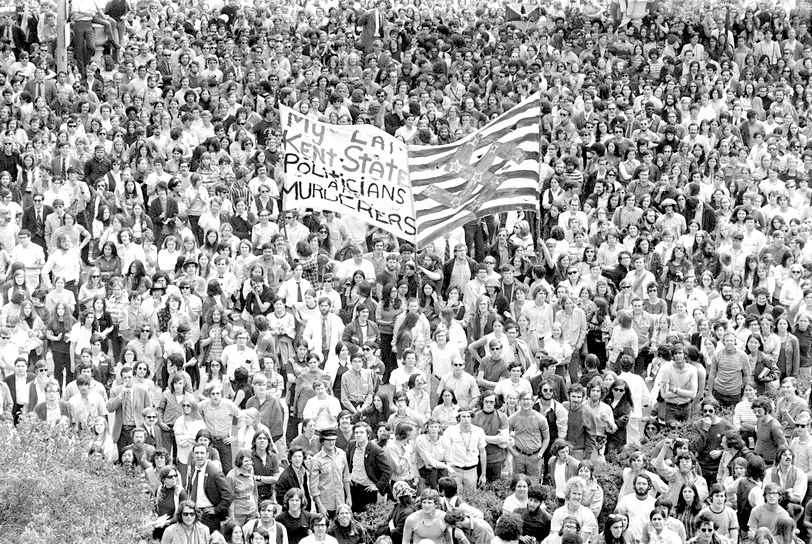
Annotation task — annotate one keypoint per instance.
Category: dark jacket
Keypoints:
(352, 334)
(155, 211)
(448, 267)
(216, 487)
(11, 382)
(41, 410)
(288, 480)
(376, 465)
(29, 222)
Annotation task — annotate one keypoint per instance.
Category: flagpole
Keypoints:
(538, 200)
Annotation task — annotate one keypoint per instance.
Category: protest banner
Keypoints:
(355, 170)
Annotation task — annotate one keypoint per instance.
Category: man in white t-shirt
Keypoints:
(638, 505)
(31, 255)
(240, 355)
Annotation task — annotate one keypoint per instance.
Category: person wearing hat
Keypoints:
(191, 268)
(329, 475)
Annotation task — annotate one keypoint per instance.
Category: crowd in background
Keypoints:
(270, 373)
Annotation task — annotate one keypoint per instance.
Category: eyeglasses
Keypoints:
(572, 272)
(618, 389)
(96, 276)
(496, 348)
(546, 390)
(801, 425)
(145, 330)
(185, 514)
(709, 411)
(320, 524)
(42, 370)
(150, 417)
(458, 365)
(171, 475)
(367, 348)
(186, 405)
(706, 530)
(186, 287)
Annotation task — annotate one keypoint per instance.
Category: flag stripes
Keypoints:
(491, 171)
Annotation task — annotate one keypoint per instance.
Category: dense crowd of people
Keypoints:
(270, 373)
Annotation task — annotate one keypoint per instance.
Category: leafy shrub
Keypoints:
(52, 493)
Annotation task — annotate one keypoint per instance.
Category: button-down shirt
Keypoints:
(359, 471)
(328, 474)
(201, 500)
(87, 409)
(573, 327)
(218, 417)
(355, 386)
(465, 446)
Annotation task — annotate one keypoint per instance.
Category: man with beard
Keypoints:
(536, 519)
(547, 373)
(580, 423)
(554, 412)
(718, 307)
(638, 505)
(495, 425)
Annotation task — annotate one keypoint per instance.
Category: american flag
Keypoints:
(493, 170)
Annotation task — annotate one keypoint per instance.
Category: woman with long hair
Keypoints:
(619, 399)
(266, 464)
(58, 334)
(215, 334)
(377, 412)
(17, 283)
(598, 329)
(688, 507)
(676, 269)
(186, 429)
(136, 278)
(108, 262)
(283, 328)
(103, 438)
(168, 499)
(614, 530)
(32, 325)
(94, 287)
(346, 529)
(170, 410)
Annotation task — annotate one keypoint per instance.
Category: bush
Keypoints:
(52, 493)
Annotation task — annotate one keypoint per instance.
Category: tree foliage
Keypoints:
(51, 492)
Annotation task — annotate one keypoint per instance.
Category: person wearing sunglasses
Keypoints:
(710, 428)
(187, 526)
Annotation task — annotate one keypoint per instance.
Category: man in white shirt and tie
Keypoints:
(209, 488)
(293, 290)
